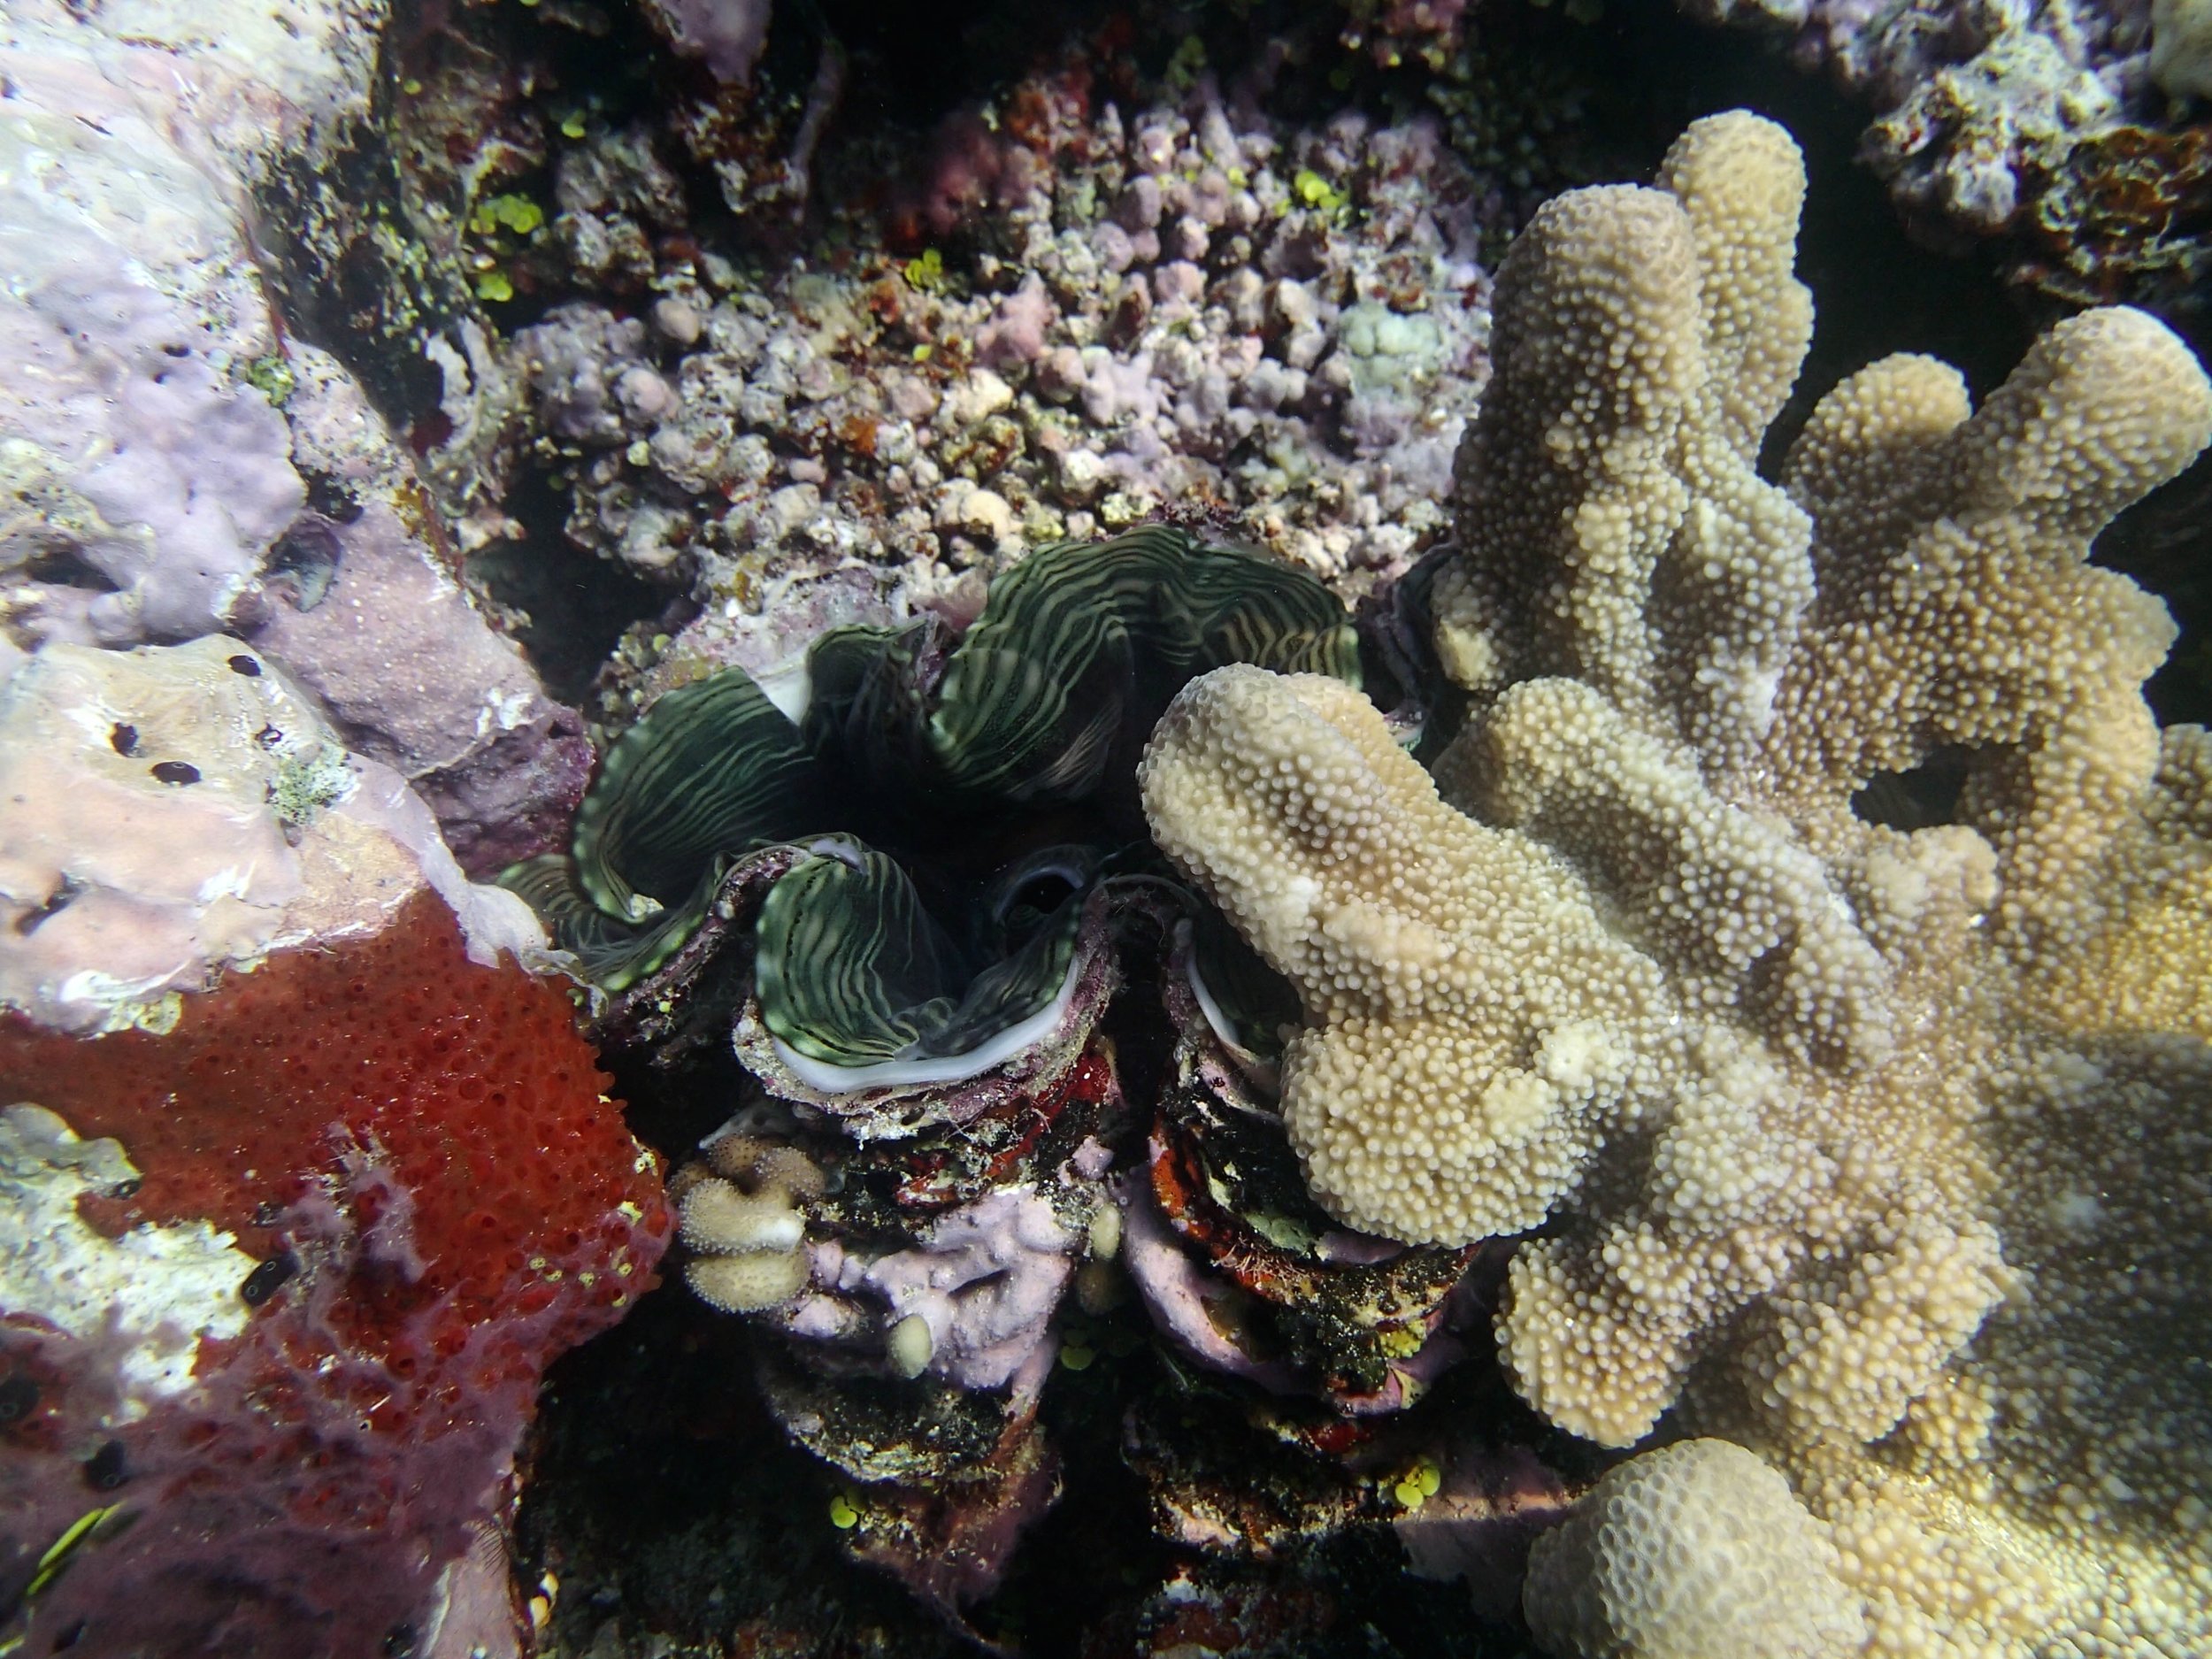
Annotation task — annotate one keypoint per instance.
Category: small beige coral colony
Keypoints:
(1881, 1154)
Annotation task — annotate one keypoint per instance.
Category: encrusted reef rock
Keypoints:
(172, 811)
(2063, 128)
(370, 617)
(1806, 922)
(283, 1320)
(143, 473)
(162, 430)
(306, 1178)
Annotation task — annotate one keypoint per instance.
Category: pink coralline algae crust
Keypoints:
(986, 1279)
(727, 36)
(416, 679)
(422, 1147)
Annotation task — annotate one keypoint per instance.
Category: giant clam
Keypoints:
(906, 887)
(917, 740)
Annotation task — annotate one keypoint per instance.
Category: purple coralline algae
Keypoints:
(146, 475)
(727, 36)
(981, 1283)
(375, 623)
(162, 431)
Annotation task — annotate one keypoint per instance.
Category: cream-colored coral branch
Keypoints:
(1808, 927)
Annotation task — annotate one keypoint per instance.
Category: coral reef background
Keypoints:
(399, 401)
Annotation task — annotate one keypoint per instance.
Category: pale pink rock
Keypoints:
(1015, 332)
(417, 679)
(727, 36)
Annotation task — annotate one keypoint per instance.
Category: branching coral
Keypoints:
(1426, 1109)
(1806, 1083)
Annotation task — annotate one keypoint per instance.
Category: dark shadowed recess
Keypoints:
(914, 63)
(2165, 542)
(665, 1499)
(669, 1504)
(577, 603)
(1875, 291)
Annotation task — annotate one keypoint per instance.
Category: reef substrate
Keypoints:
(1593, 1086)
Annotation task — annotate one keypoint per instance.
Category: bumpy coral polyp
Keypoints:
(426, 1140)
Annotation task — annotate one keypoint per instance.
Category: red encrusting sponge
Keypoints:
(418, 1151)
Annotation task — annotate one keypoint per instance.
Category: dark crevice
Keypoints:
(67, 567)
(2164, 541)
(1926, 796)
(577, 603)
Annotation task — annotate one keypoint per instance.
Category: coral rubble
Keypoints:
(1808, 906)
(1089, 313)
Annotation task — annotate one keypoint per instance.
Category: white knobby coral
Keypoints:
(1697, 1550)
(742, 1215)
